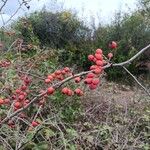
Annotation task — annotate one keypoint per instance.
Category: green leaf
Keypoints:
(72, 132)
(30, 135)
(48, 133)
(41, 146)
(72, 147)
(1, 148)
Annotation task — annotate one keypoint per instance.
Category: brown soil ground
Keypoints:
(96, 103)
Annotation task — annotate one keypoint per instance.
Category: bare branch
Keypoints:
(4, 3)
(2, 19)
(20, 7)
(132, 58)
(136, 80)
(4, 141)
(31, 74)
(14, 14)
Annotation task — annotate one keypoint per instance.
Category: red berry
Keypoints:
(12, 126)
(90, 75)
(47, 81)
(99, 63)
(10, 123)
(21, 97)
(63, 72)
(50, 77)
(27, 101)
(92, 86)
(98, 71)
(64, 90)
(17, 105)
(7, 101)
(88, 81)
(24, 93)
(13, 97)
(70, 92)
(99, 51)
(60, 77)
(95, 81)
(27, 80)
(23, 87)
(1, 101)
(94, 60)
(18, 91)
(98, 56)
(77, 79)
(90, 57)
(79, 92)
(50, 90)
(67, 69)
(110, 55)
(58, 72)
(113, 45)
(93, 67)
(34, 123)
(53, 75)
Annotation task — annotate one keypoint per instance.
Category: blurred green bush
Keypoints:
(74, 40)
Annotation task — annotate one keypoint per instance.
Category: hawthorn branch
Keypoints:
(31, 74)
(12, 16)
(132, 58)
(59, 84)
(56, 86)
(4, 3)
(22, 109)
(2, 19)
(12, 44)
(136, 80)
(5, 142)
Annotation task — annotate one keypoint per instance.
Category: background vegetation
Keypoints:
(113, 117)
(74, 39)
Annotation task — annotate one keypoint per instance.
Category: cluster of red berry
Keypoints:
(58, 75)
(69, 92)
(19, 96)
(92, 79)
(61, 75)
(5, 63)
(5, 101)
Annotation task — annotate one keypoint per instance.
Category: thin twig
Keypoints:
(4, 141)
(132, 58)
(3, 5)
(13, 14)
(36, 115)
(2, 19)
(31, 74)
(136, 80)
(13, 44)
